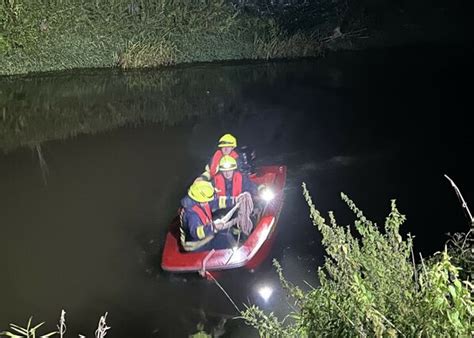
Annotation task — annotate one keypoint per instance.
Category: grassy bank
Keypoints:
(50, 35)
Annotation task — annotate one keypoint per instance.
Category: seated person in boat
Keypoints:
(226, 147)
(198, 231)
(230, 183)
(234, 188)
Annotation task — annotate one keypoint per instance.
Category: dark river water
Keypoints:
(93, 164)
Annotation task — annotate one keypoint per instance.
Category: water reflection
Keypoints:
(47, 107)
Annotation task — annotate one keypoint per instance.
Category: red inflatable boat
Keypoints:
(248, 253)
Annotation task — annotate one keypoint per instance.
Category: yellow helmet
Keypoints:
(201, 191)
(227, 163)
(227, 140)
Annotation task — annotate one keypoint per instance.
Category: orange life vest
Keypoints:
(219, 183)
(216, 158)
(204, 215)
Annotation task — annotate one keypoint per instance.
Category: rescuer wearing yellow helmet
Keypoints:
(226, 146)
(198, 231)
(230, 183)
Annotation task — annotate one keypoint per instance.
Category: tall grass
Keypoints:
(49, 35)
(17, 331)
(461, 244)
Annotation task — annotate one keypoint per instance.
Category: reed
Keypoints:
(30, 331)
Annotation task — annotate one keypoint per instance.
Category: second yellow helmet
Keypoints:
(228, 140)
(227, 163)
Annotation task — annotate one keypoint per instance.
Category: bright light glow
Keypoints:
(238, 255)
(265, 292)
(267, 194)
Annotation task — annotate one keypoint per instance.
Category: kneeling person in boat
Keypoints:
(198, 231)
(234, 188)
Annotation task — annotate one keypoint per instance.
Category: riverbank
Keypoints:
(61, 35)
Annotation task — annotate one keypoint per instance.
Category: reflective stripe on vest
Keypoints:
(216, 158)
(219, 183)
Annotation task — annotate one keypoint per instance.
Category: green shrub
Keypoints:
(369, 286)
(461, 248)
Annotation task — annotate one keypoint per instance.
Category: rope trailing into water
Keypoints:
(209, 275)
